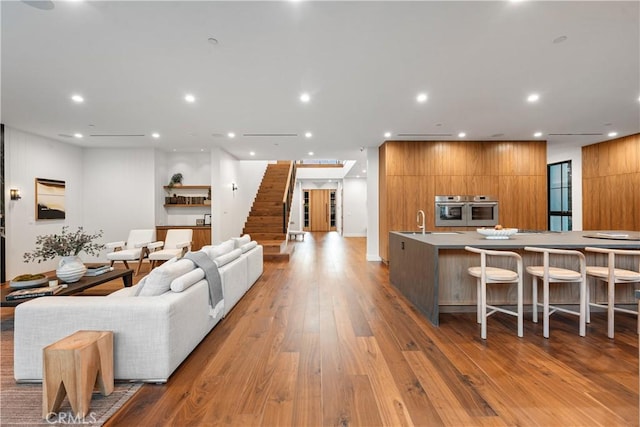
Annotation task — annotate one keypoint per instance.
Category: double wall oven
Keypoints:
(466, 211)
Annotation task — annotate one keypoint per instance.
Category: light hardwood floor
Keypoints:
(326, 340)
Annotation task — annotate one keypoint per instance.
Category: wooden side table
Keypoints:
(74, 366)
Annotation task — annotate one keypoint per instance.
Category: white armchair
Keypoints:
(176, 244)
(136, 248)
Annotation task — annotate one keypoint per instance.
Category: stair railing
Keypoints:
(288, 196)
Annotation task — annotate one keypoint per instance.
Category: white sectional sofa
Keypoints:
(156, 323)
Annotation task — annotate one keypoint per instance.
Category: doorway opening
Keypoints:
(319, 210)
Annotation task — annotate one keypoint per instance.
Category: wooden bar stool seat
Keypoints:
(487, 275)
(74, 366)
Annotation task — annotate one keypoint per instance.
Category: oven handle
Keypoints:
(452, 205)
(484, 204)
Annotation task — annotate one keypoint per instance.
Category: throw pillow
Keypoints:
(227, 258)
(215, 251)
(239, 241)
(159, 280)
(187, 280)
(248, 246)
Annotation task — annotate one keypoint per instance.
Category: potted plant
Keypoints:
(176, 180)
(66, 245)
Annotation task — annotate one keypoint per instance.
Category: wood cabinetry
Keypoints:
(188, 196)
(201, 235)
(412, 173)
(611, 185)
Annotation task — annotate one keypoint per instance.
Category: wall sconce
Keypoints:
(234, 187)
(14, 193)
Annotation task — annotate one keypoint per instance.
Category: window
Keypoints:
(559, 192)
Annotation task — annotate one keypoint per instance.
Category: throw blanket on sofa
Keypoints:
(212, 275)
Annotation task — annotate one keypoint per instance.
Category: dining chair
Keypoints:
(612, 276)
(489, 275)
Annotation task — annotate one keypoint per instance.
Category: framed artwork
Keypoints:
(49, 199)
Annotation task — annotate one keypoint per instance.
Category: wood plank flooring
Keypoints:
(326, 340)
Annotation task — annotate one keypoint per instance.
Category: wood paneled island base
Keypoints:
(431, 269)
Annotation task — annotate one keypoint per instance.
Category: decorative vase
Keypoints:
(70, 269)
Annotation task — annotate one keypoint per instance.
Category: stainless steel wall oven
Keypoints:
(466, 211)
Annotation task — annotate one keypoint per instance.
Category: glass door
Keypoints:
(559, 195)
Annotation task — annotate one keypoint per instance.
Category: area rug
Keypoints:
(21, 404)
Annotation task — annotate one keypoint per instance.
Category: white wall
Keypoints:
(373, 249)
(249, 178)
(119, 192)
(28, 157)
(231, 208)
(354, 207)
(561, 153)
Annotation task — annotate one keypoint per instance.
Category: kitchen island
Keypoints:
(430, 269)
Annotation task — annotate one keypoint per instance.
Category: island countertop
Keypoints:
(564, 239)
(430, 269)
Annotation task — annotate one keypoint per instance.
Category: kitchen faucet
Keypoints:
(420, 214)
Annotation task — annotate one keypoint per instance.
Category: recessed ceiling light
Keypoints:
(387, 134)
(308, 134)
(231, 135)
(364, 171)
(202, 149)
(422, 97)
(77, 99)
(357, 176)
(155, 135)
(77, 135)
(533, 97)
(305, 97)
(311, 153)
(252, 153)
(537, 134)
(174, 150)
(612, 134)
(462, 135)
(189, 98)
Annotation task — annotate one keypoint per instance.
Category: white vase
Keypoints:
(70, 269)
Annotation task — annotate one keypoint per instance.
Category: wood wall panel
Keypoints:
(412, 173)
(590, 161)
(611, 185)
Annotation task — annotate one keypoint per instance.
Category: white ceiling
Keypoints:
(362, 62)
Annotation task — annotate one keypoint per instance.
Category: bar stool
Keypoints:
(550, 274)
(486, 275)
(612, 276)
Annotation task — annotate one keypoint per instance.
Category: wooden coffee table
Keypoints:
(85, 282)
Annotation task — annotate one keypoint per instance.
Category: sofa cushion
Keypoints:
(227, 258)
(215, 251)
(248, 246)
(159, 280)
(181, 283)
(239, 241)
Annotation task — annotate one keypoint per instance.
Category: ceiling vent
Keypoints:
(425, 134)
(115, 135)
(270, 134)
(576, 134)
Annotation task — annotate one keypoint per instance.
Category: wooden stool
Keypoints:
(73, 366)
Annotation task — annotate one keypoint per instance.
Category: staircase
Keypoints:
(269, 216)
